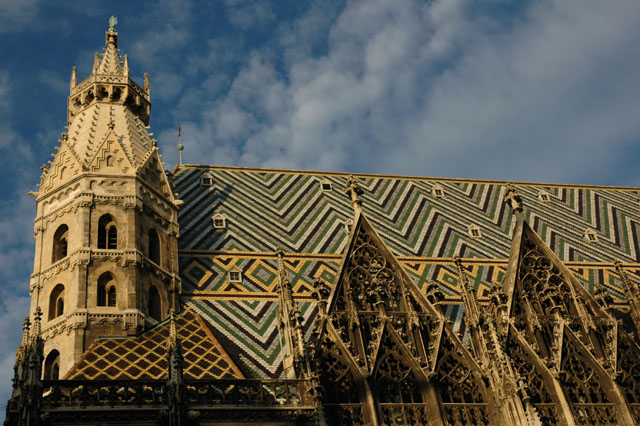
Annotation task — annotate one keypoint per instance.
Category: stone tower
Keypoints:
(106, 223)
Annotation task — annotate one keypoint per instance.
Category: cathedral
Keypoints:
(213, 295)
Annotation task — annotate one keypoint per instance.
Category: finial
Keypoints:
(96, 63)
(180, 146)
(354, 190)
(73, 77)
(113, 21)
(126, 66)
(25, 330)
(146, 83)
(36, 323)
(512, 197)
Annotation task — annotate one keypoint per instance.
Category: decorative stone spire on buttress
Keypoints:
(354, 191)
(633, 295)
(290, 322)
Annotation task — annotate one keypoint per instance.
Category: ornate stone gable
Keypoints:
(405, 359)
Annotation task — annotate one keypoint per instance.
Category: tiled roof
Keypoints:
(266, 208)
(145, 356)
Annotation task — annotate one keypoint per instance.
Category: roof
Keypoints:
(267, 208)
(145, 357)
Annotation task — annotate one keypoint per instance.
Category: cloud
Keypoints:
(438, 89)
(17, 15)
(249, 14)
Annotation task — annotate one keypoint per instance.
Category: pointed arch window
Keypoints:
(52, 366)
(111, 296)
(154, 246)
(107, 233)
(56, 302)
(155, 307)
(106, 290)
(60, 243)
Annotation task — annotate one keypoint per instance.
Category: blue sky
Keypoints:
(516, 90)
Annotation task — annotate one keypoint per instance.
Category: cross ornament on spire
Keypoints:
(113, 21)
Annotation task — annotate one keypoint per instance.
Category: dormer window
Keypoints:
(219, 221)
(437, 191)
(326, 185)
(474, 232)
(235, 275)
(544, 196)
(591, 236)
(206, 180)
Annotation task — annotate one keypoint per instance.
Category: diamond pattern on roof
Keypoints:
(145, 357)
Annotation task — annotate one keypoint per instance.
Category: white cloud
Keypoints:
(249, 14)
(429, 88)
(17, 15)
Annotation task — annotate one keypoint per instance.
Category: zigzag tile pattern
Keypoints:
(266, 209)
(248, 330)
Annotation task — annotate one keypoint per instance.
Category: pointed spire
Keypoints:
(126, 66)
(96, 63)
(74, 78)
(472, 312)
(22, 349)
(173, 334)
(111, 59)
(180, 146)
(36, 324)
(25, 331)
(290, 321)
(632, 293)
(354, 191)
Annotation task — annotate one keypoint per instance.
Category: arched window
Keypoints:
(154, 246)
(60, 239)
(107, 233)
(109, 161)
(155, 310)
(52, 366)
(106, 290)
(56, 302)
(111, 296)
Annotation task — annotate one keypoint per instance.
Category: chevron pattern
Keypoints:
(248, 331)
(269, 208)
(265, 209)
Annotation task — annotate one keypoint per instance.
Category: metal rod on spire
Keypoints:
(180, 146)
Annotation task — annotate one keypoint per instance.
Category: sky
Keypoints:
(545, 91)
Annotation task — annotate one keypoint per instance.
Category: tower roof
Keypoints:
(109, 82)
(109, 108)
